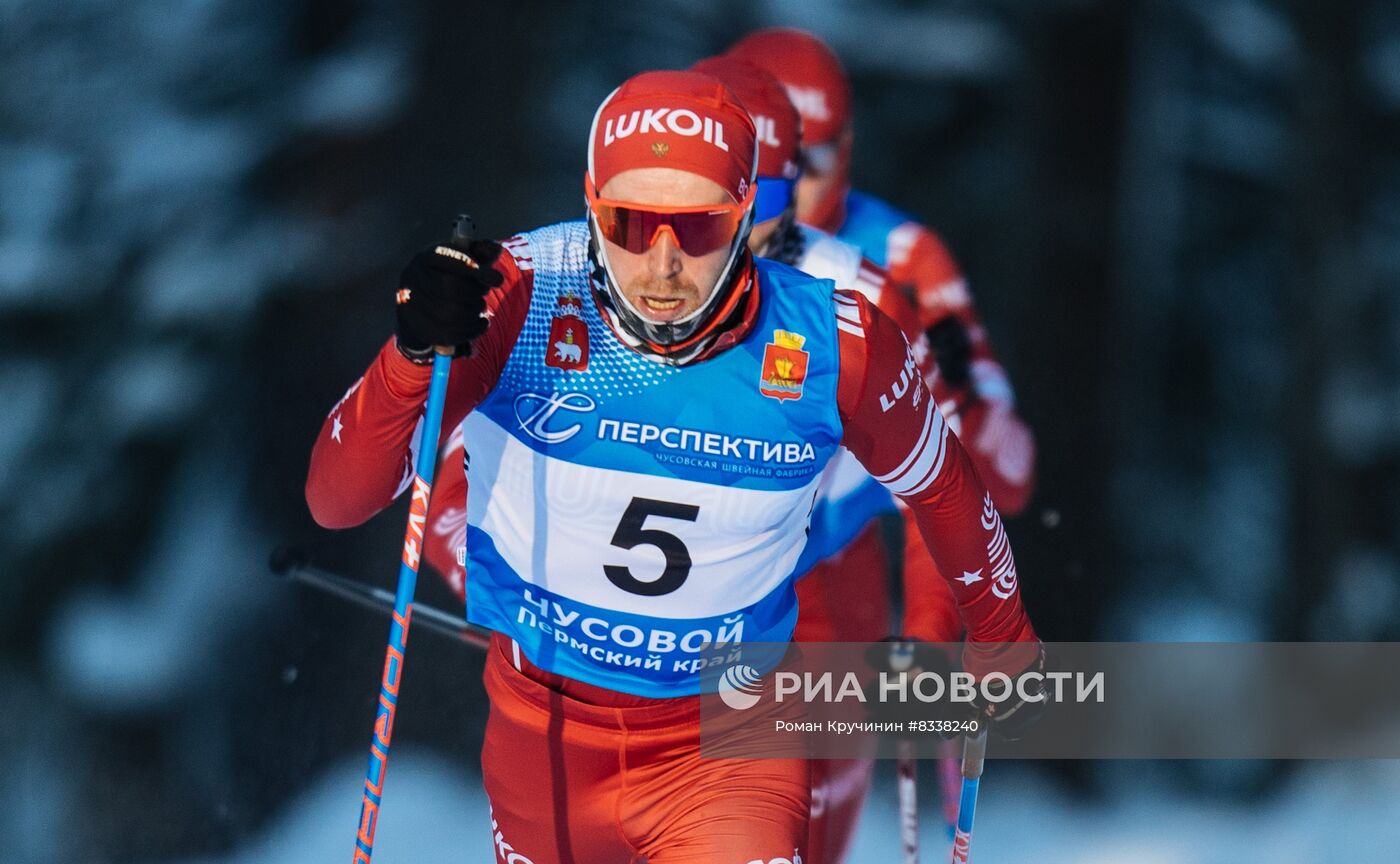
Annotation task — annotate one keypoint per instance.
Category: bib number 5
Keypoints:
(630, 534)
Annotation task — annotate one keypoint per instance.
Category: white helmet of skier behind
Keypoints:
(670, 192)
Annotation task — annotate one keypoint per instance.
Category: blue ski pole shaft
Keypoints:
(413, 540)
(974, 753)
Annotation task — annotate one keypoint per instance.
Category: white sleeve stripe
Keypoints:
(932, 473)
(850, 328)
(519, 249)
(848, 315)
(843, 300)
(930, 461)
(454, 441)
(904, 466)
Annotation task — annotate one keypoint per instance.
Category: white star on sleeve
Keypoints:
(968, 578)
(336, 426)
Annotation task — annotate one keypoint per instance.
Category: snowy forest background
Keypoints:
(1181, 221)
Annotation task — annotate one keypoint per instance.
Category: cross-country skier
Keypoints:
(843, 596)
(845, 535)
(650, 410)
(969, 382)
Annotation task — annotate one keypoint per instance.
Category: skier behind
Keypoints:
(843, 596)
(650, 411)
(969, 383)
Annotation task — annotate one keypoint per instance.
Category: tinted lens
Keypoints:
(628, 228)
(702, 233)
(773, 197)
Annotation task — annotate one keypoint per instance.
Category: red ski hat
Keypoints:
(778, 124)
(678, 120)
(812, 73)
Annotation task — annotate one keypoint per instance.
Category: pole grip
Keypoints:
(463, 232)
(974, 753)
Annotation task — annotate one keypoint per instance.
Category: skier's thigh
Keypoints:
(553, 783)
(756, 813)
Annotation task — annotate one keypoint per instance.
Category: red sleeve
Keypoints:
(920, 263)
(999, 442)
(894, 428)
(363, 457)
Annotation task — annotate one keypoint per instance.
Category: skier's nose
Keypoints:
(664, 257)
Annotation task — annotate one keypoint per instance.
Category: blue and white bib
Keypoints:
(624, 514)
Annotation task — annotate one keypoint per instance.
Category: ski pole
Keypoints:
(949, 784)
(421, 491)
(292, 564)
(974, 753)
(901, 658)
(907, 773)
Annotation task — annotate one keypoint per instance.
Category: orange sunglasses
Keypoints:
(697, 230)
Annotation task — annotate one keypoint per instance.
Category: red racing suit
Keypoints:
(363, 458)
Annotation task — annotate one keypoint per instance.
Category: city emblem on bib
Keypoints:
(568, 336)
(784, 366)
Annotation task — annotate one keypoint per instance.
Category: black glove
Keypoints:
(896, 654)
(442, 293)
(952, 349)
(1009, 720)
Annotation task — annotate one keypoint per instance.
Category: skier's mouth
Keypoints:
(664, 308)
